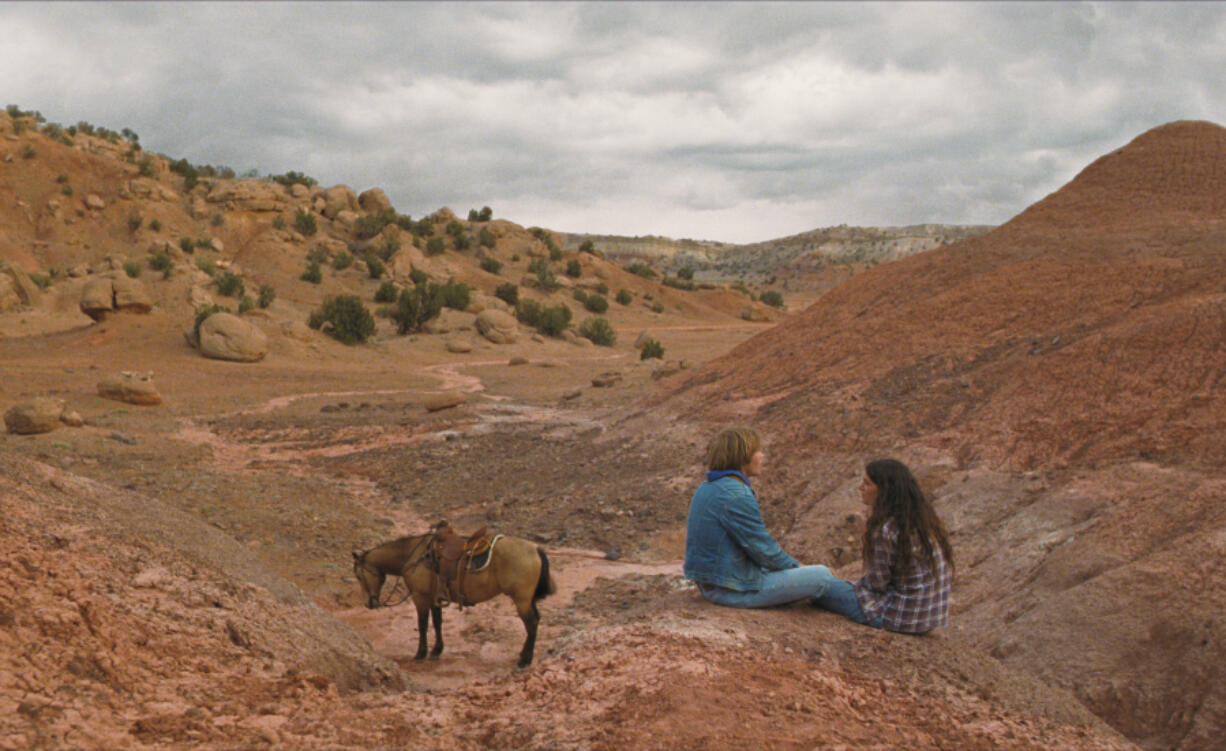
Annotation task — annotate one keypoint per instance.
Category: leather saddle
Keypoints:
(451, 557)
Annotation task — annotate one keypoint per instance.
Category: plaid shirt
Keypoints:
(913, 604)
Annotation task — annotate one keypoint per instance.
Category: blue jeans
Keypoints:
(778, 587)
(839, 596)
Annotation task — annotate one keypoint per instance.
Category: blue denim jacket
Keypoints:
(726, 542)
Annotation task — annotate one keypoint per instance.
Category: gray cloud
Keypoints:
(727, 121)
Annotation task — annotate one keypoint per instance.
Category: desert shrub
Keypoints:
(145, 166)
(514, 258)
(486, 238)
(66, 189)
(596, 303)
(61, 178)
(418, 277)
(641, 269)
(772, 298)
(405, 222)
(492, 265)
(245, 304)
(416, 306)
(685, 272)
(528, 312)
(553, 320)
(207, 266)
(573, 269)
(598, 330)
(369, 226)
(456, 295)
(657, 307)
(463, 242)
(435, 246)
(203, 312)
(304, 222)
(351, 321)
(579, 295)
(318, 254)
(291, 178)
(387, 292)
(676, 283)
(132, 269)
(652, 348)
(342, 261)
(389, 248)
(472, 215)
(134, 222)
(278, 222)
(28, 152)
(43, 282)
(161, 261)
(230, 284)
(454, 228)
(508, 292)
(313, 273)
(555, 253)
(155, 225)
(602, 288)
(423, 227)
(217, 219)
(266, 296)
(190, 174)
(544, 274)
(375, 266)
(587, 246)
(486, 214)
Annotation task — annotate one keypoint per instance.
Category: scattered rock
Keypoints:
(605, 380)
(94, 202)
(517, 360)
(72, 419)
(459, 344)
(132, 388)
(444, 400)
(572, 394)
(38, 415)
(225, 336)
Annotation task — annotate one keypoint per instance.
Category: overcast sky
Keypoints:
(719, 121)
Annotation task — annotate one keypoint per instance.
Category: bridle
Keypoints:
(385, 599)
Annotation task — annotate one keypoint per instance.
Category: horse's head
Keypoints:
(369, 577)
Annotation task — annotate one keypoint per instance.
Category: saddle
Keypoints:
(451, 556)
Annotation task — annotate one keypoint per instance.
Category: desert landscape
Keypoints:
(193, 452)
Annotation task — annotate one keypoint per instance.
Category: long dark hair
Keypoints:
(899, 498)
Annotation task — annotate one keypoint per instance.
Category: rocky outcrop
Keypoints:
(339, 198)
(97, 298)
(497, 326)
(37, 415)
(131, 388)
(374, 202)
(131, 295)
(17, 289)
(225, 336)
(249, 195)
(105, 295)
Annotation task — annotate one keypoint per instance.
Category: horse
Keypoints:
(517, 568)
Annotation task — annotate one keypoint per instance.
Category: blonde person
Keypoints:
(908, 564)
(728, 551)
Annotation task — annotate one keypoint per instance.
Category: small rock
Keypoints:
(613, 554)
(122, 438)
(444, 400)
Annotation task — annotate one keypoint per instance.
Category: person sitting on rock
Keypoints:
(728, 551)
(907, 559)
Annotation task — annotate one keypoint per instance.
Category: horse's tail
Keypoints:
(544, 585)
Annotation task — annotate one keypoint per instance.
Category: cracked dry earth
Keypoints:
(189, 586)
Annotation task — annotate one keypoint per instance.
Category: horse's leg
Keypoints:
(436, 612)
(423, 613)
(531, 617)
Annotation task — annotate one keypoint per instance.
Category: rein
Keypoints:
(387, 602)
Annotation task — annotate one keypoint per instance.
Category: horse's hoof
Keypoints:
(419, 658)
(433, 656)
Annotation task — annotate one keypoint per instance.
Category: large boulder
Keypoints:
(225, 336)
(374, 202)
(444, 400)
(38, 415)
(450, 320)
(132, 388)
(131, 295)
(97, 298)
(339, 198)
(497, 326)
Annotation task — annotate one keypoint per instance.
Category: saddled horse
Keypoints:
(517, 568)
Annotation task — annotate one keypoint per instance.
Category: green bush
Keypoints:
(418, 277)
(463, 242)
(486, 238)
(416, 306)
(657, 307)
(472, 215)
(66, 189)
(624, 297)
(652, 348)
(155, 225)
(217, 219)
(641, 269)
(374, 266)
(187, 245)
(602, 288)
(423, 227)
(573, 269)
(43, 282)
(587, 246)
(553, 321)
(390, 247)
(405, 222)
(579, 295)
(685, 273)
(278, 222)
(435, 246)
(387, 292)
(132, 269)
(313, 274)
(596, 303)
(486, 214)
(369, 226)
(161, 261)
(455, 294)
(492, 265)
(230, 284)
(675, 283)
(245, 304)
(544, 274)
(207, 266)
(508, 292)
(134, 222)
(342, 261)
(528, 312)
(145, 166)
(289, 179)
(351, 321)
(304, 222)
(267, 295)
(772, 298)
(454, 228)
(599, 331)
(318, 254)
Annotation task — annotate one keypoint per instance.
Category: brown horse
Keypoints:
(517, 568)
